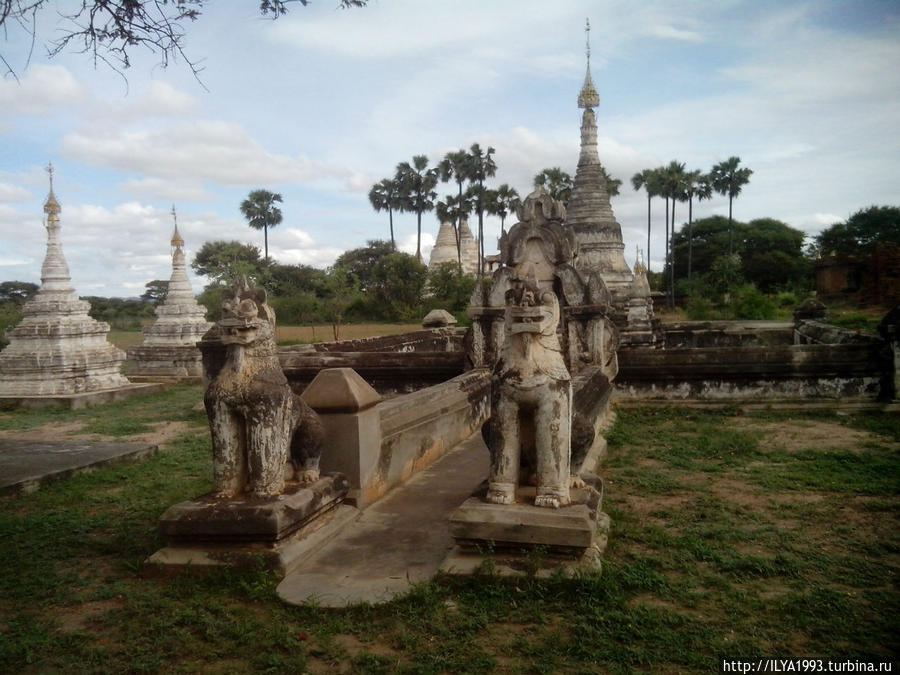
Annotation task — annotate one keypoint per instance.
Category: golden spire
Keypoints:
(51, 206)
(588, 98)
(177, 241)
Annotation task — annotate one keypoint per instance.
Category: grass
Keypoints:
(724, 543)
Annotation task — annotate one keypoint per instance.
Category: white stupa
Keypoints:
(57, 349)
(170, 343)
(445, 248)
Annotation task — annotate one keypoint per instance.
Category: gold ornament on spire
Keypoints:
(177, 241)
(588, 98)
(51, 206)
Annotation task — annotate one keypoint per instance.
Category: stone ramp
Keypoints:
(25, 465)
(397, 542)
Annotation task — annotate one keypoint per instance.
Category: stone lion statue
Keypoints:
(261, 430)
(531, 400)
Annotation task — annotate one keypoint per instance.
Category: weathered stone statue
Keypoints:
(531, 400)
(257, 423)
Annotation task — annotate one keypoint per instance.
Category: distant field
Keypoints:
(125, 338)
(310, 334)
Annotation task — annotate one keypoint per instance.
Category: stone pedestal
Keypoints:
(519, 536)
(346, 406)
(279, 530)
(58, 349)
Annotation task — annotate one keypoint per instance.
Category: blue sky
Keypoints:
(322, 103)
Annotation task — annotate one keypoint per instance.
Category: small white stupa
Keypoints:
(445, 248)
(170, 344)
(57, 349)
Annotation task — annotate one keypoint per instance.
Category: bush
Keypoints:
(749, 303)
(699, 308)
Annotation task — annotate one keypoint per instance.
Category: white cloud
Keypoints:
(43, 89)
(408, 244)
(668, 32)
(13, 193)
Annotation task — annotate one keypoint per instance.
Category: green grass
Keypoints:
(721, 545)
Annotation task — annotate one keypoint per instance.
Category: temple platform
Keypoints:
(85, 399)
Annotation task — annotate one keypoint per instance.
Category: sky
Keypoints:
(323, 103)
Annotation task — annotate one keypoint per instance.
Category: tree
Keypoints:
(108, 29)
(156, 291)
(727, 179)
(697, 185)
(506, 200)
(416, 183)
(17, 291)
(612, 184)
(225, 261)
(860, 232)
(647, 179)
(385, 196)
(454, 209)
(361, 262)
(449, 288)
(672, 187)
(261, 213)
(555, 181)
(481, 167)
(455, 166)
(341, 291)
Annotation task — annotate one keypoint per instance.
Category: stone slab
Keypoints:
(85, 400)
(26, 465)
(252, 519)
(477, 523)
(281, 557)
(397, 542)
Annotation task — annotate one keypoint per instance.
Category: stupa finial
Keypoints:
(177, 241)
(588, 98)
(51, 206)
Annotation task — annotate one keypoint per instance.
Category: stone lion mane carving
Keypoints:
(258, 424)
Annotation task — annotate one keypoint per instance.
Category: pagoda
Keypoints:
(445, 248)
(170, 343)
(58, 349)
(590, 217)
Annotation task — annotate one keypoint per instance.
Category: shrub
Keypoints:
(700, 309)
(749, 303)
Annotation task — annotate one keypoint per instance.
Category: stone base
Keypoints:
(280, 531)
(164, 360)
(522, 530)
(83, 400)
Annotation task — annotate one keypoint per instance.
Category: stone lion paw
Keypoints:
(547, 501)
(499, 497)
(308, 476)
(576, 481)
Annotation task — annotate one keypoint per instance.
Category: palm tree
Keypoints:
(555, 181)
(385, 196)
(673, 187)
(728, 179)
(416, 184)
(697, 184)
(507, 199)
(261, 213)
(647, 179)
(481, 167)
(612, 184)
(455, 165)
(454, 208)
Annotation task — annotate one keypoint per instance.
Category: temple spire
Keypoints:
(177, 241)
(588, 98)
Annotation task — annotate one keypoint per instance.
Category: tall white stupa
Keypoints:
(58, 349)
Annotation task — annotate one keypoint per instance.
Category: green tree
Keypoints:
(454, 209)
(727, 178)
(362, 262)
(612, 184)
(341, 291)
(156, 291)
(455, 166)
(697, 185)
(858, 235)
(399, 286)
(285, 280)
(225, 261)
(481, 167)
(450, 289)
(506, 200)
(17, 291)
(385, 196)
(416, 183)
(648, 179)
(261, 213)
(555, 181)
(672, 184)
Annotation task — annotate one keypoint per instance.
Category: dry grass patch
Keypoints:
(357, 331)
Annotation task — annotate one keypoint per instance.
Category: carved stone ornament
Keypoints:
(259, 426)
